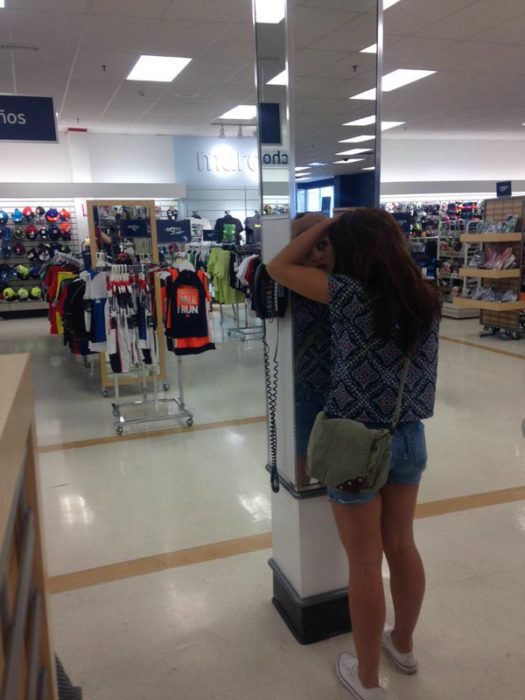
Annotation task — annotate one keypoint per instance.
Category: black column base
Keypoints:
(311, 619)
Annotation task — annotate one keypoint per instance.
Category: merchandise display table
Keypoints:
(27, 666)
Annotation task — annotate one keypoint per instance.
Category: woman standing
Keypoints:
(381, 311)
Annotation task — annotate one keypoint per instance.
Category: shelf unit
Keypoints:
(9, 205)
(498, 316)
(452, 280)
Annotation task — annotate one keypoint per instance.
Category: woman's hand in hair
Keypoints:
(288, 268)
(305, 222)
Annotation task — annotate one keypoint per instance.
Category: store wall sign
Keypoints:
(25, 118)
(504, 189)
(169, 231)
(134, 228)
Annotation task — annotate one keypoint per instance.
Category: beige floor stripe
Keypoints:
(111, 439)
(478, 346)
(252, 543)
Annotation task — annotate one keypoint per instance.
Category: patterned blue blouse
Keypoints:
(312, 353)
(366, 369)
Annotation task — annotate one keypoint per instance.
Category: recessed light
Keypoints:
(385, 126)
(279, 79)
(269, 11)
(158, 69)
(358, 139)
(370, 49)
(240, 112)
(349, 160)
(367, 121)
(353, 152)
(317, 165)
(389, 3)
(394, 80)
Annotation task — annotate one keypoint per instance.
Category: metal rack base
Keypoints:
(150, 371)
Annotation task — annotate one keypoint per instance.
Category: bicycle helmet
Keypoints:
(22, 271)
(44, 253)
(52, 216)
(4, 217)
(64, 215)
(28, 213)
(32, 255)
(53, 232)
(34, 272)
(31, 232)
(64, 249)
(43, 234)
(20, 249)
(7, 233)
(65, 231)
(35, 293)
(17, 216)
(7, 250)
(40, 212)
(19, 233)
(9, 294)
(22, 294)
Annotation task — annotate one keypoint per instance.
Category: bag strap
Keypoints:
(397, 412)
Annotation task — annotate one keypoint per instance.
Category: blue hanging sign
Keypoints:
(24, 118)
(134, 228)
(169, 231)
(504, 189)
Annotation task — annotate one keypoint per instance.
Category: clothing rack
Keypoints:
(150, 372)
(246, 331)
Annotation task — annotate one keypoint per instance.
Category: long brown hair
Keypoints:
(369, 246)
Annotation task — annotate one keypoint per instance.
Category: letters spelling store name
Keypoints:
(237, 162)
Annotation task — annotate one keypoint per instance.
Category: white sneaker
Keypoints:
(346, 668)
(407, 663)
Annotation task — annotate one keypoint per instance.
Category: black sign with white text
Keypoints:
(24, 118)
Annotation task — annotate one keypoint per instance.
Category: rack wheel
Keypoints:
(228, 333)
(166, 386)
(105, 393)
(189, 422)
(243, 338)
(119, 429)
(114, 410)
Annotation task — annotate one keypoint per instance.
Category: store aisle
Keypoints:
(221, 385)
(210, 631)
(193, 631)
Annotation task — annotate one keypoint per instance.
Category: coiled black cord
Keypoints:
(272, 383)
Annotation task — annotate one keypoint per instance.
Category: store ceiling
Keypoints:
(87, 47)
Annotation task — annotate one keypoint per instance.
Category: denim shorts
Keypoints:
(308, 403)
(409, 459)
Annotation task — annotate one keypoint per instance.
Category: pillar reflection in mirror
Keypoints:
(319, 131)
(335, 66)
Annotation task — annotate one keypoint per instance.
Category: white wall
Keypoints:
(424, 160)
(38, 162)
(131, 158)
(117, 158)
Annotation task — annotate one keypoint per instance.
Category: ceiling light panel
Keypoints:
(158, 69)
(353, 152)
(366, 121)
(395, 80)
(348, 160)
(269, 11)
(240, 112)
(389, 3)
(358, 139)
(301, 167)
(280, 79)
(370, 49)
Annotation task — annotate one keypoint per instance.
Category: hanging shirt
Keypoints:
(186, 320)
(219, 271)
(229, 229)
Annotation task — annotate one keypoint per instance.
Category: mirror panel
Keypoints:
(318, 149)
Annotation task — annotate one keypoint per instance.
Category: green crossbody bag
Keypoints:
(345, 454)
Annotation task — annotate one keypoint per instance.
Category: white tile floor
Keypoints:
(209, 630)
